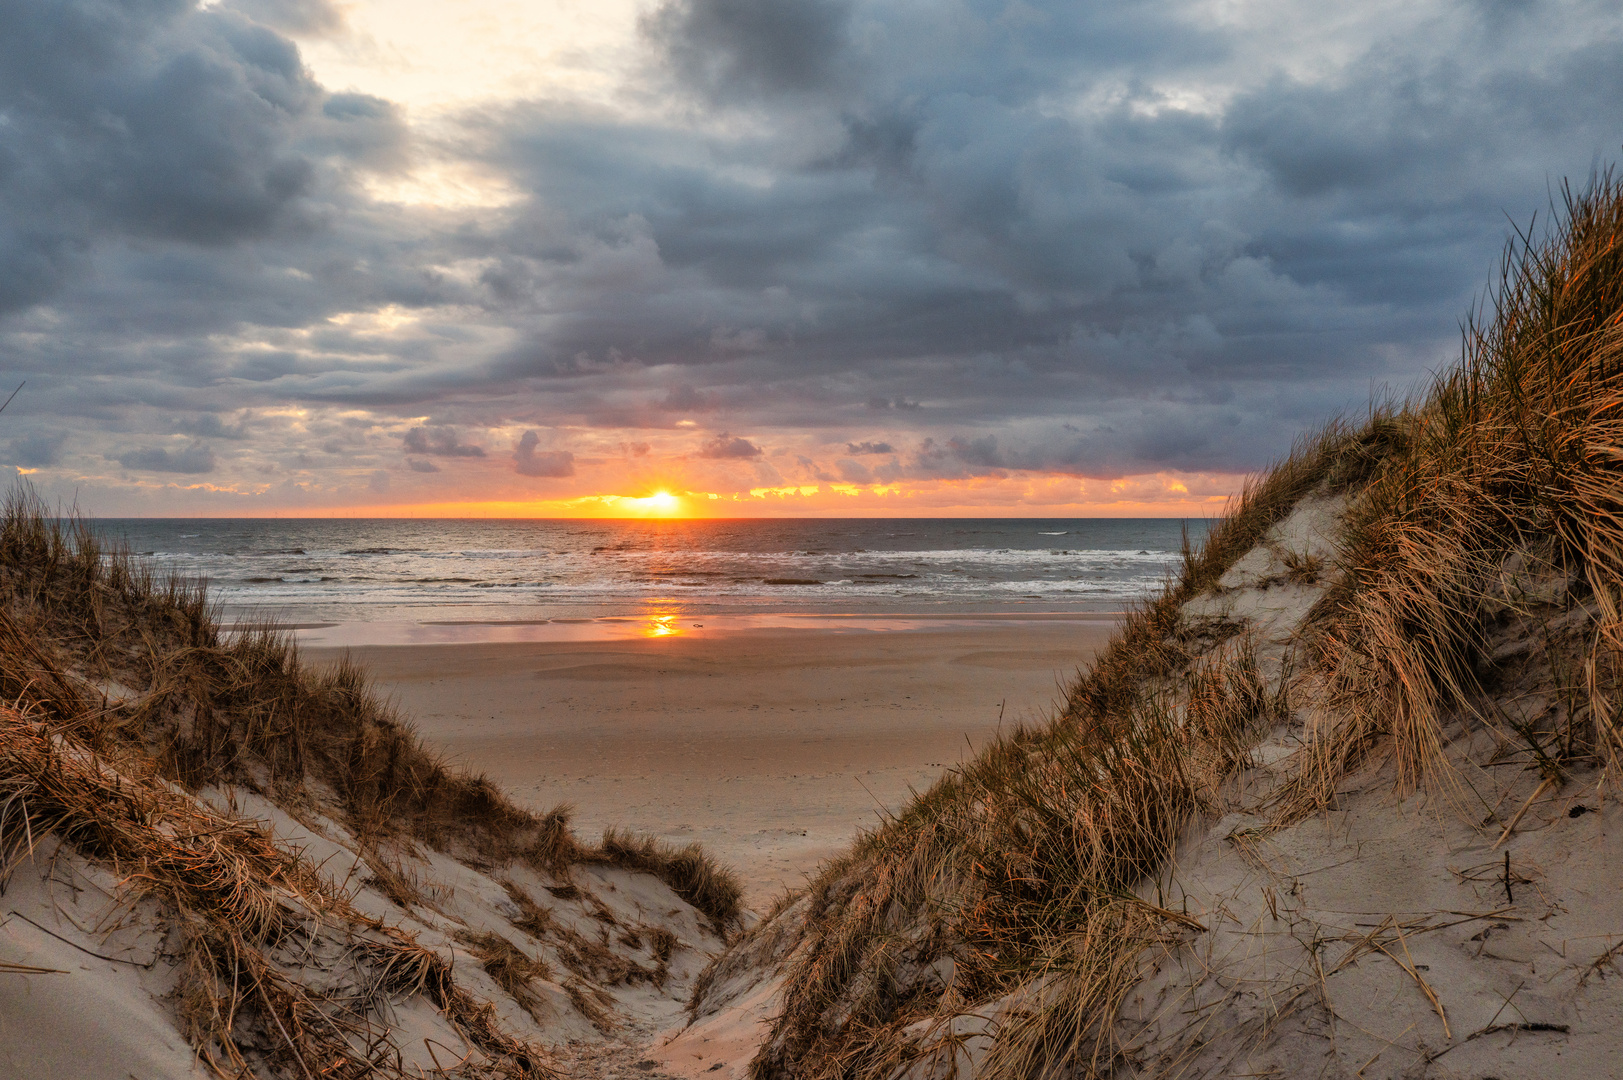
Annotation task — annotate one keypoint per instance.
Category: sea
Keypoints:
(416, 579)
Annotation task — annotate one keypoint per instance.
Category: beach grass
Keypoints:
(215, 707)
(1509, 475)
(1008, 900)
(125, 700)
(243, 909)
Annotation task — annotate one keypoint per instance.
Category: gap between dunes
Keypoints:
(771, 748)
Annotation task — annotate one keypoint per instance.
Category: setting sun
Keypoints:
(661, 503)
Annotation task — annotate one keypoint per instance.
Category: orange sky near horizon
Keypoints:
(1171, 495)
(811, 500)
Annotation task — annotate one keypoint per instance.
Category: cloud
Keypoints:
(37, 451)
(209, 425)
(548, 463)
(305, 17)
(196, 458)
(159, 121)
(852, 472)
(685, 399)
(1405, 136)
(441, 442)
(1079, 239)
(744, 48)
(725, 446)
(420, 466)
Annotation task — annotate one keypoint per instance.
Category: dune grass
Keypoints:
(1513, 454)
(1021, 864)
(244, 912)
(688, 870)
(1015, 886)
(212, 707)
(1020, 868)
(122, 693)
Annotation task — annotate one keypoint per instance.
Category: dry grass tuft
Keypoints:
(125, 691)
(1511, 456)
(533, 919)
(690, 872)
(1012, 888)
(511, 967)
(593, 1003)
(244, 911)
(997, 867)
(216, 708)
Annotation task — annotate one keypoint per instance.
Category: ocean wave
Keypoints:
(354, 570)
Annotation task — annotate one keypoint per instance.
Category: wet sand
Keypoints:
(772, 747)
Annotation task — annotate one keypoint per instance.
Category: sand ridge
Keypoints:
(1390, 934)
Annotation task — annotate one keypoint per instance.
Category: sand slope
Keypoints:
(1386, 937)
(402, 950)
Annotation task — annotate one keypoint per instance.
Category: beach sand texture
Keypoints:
(770, 747)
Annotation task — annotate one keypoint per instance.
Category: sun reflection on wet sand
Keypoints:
(661, 626)
(670, 622)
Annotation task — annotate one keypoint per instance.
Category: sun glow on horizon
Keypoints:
(1033, 496)
(662, 503)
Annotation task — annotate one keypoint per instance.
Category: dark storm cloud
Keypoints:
(725, 446)
(997, 237)
(193, 459)
(544, 463)
(439, 441)
(1123, 437)
(185, 148)
(157, 121)
(36, 451)
(1194, 286)
(745, 48)
(1405, 159)
(209, 425)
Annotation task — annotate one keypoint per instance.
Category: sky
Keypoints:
(1031, 258)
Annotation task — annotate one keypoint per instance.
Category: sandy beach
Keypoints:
(772, 747)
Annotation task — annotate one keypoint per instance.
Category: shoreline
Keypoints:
(770, 745)
(657, 623)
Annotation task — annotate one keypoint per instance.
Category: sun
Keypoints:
(660, 504)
